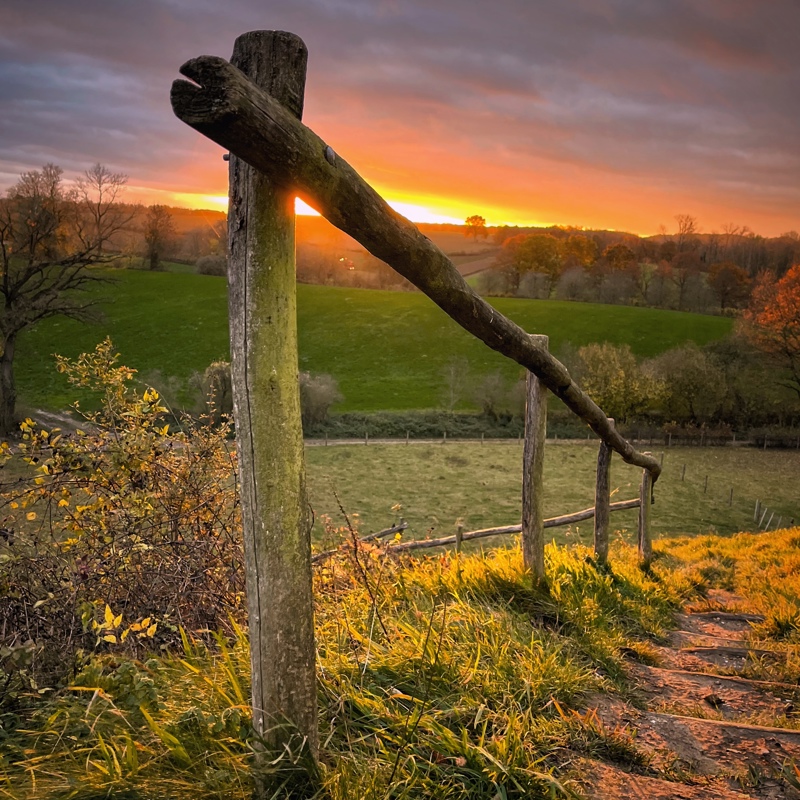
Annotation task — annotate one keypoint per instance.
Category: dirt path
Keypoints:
(706, 722)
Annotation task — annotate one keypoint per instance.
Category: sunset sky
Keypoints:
(597, 113)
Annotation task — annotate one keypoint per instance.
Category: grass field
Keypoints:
(437, 484)
(388, 350)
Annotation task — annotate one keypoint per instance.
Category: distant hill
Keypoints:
(388, 350)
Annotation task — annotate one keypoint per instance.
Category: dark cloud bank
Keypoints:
(685, 98)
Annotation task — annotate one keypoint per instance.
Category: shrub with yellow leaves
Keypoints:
(126, 530)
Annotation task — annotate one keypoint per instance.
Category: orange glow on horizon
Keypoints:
(423, 209)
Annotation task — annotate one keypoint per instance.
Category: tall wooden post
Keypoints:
(645, 499)
(269, 435)
(602, 502)
(532, 471)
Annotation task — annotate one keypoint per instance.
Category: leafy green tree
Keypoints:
(694, 388)
(612, 377)
(730, 283)
(159, 229)
(579, 251)
(475, 226)
(619, 256)
(535, 252)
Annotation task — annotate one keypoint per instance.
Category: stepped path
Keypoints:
(715, 719)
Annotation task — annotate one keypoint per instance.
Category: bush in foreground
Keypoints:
(122, 532)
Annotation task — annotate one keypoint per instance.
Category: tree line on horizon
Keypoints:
(686, 270)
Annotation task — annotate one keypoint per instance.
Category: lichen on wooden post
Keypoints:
(602, 501)
(533, 469)
(269, 435)
(645, 500)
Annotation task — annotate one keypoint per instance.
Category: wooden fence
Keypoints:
(252, 106)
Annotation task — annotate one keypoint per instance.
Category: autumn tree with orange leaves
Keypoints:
(773, 321)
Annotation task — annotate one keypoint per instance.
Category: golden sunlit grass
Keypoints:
(458, 680)
(455, 683)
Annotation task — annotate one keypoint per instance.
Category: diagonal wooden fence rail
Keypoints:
(252, 108)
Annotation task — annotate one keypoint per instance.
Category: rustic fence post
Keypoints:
(532, 469)
(645, 499)
(602, 501)
(269, 435)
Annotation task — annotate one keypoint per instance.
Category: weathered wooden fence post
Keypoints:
(269, 435)
(532, 471)
(602, 501)
(645, 499)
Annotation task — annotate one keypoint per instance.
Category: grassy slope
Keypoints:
(469, 687)
(449, 696)
(386, 349)
(437, 484)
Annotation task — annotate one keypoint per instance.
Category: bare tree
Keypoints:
(97, 195)
(456, 380)
(48, 237)
(158, 232)
(687, 227)
(683, 270)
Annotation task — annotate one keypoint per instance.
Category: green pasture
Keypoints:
(388, 350)
(438, 484)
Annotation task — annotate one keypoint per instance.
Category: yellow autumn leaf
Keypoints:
(109, 615)
(62, 503)
(30, 516)
(124, 635)
(15, 505)
(118, 620)
(144, 623)
(151, 631)
(109, 637)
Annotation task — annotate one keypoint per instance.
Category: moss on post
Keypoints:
(646, 499)
(275, 512)
(533, 469)
(602, 501)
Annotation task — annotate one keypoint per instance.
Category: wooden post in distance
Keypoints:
(602, 501)
(532, 471)
(645, 499)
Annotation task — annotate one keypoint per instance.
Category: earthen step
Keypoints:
(682, 638)
(718, 623)
(728, 616)
(704, 746)
(608, 782)
(720, 600)
(728, 696)
(732, 657)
